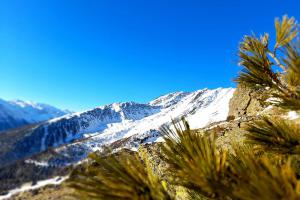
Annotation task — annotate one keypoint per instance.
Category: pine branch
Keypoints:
(278, 63)
(275, 134)
(257, 69)
(286, 31)
(259, 178)
(194, 161)
(113, 177)
(257, 66)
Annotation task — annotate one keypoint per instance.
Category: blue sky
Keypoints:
(82, 54)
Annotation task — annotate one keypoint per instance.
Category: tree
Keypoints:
(208, 172)
(265, 167)
(259, 63)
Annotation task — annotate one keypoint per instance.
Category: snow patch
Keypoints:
(292, 115)
(37, 163)
(29, 186)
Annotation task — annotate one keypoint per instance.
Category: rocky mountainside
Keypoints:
(46, 148)
(107, 124)
(241, 106)
(17, 113)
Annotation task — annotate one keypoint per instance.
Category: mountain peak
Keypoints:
(170, 99)
(24, 104)
(16, 113)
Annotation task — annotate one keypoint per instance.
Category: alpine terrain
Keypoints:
(59, 142)
(18, 113)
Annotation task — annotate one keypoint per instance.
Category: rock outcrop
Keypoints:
(245, 102)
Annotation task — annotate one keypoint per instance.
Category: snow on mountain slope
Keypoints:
(30, 186)
(168, 100)
(200, 108)
(43, 149)
(84, 132)
(17, 113)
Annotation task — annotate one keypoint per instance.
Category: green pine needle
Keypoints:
(112, 177)
(275, 134)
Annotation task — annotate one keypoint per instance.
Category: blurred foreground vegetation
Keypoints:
(265, 166)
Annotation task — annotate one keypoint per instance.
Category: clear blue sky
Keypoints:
(81, 54)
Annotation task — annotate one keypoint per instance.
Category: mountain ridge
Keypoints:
(17, 113)
(42, 150)
(109, 123)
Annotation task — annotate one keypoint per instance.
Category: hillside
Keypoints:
(49, 149)
(229, 131)
(17, 113)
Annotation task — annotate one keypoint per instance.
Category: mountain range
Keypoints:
(106, 124)
(17, 113)
(46, 147)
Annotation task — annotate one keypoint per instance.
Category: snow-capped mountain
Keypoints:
(17, 113)
(80, 133)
